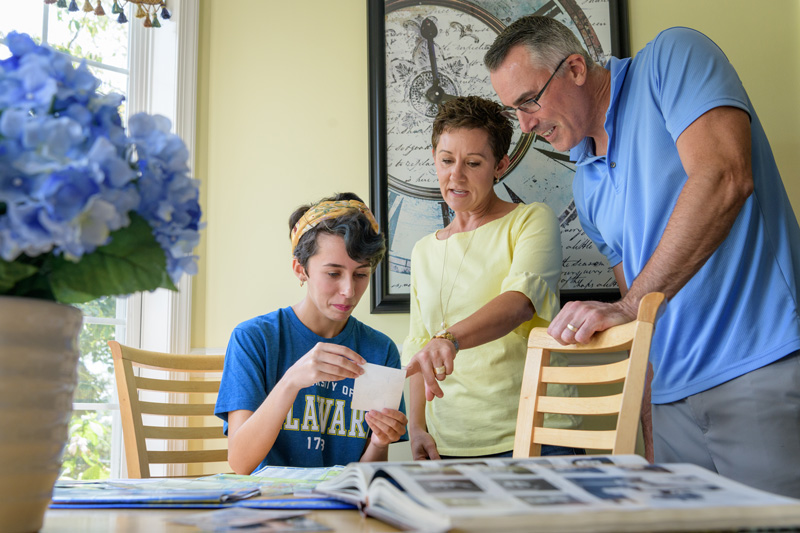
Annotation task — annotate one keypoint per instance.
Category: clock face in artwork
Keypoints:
(434, 51)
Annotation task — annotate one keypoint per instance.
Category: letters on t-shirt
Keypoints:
(326, 416)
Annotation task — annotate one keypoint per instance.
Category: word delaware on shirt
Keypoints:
(327, 416)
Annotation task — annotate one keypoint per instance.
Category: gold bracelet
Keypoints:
(446, 335)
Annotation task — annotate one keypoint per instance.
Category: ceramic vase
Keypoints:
(38, 373)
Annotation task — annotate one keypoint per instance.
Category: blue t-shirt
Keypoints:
(740, 311)
(320, 429)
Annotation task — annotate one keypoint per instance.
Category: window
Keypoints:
(131, 60)
(94, 447)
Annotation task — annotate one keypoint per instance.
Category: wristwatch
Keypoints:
(444, 334)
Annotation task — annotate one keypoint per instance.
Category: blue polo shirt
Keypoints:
(740, 311)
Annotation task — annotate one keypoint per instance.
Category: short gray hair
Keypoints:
(547, 40)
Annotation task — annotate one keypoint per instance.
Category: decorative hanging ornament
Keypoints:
(147, 10)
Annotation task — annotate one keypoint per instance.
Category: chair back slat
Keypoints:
(614, 339)
(198, 456)
(602, 440)
(567, 405)
(581, 375)
(184, 433)
(175, 385)
(635, 338)
(174, 362)
(176, 409)
(184, 399)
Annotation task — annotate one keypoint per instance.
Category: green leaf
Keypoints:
(95, 472)
(132, 262)
(11, 273)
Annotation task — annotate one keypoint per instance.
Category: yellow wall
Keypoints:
(282, 120)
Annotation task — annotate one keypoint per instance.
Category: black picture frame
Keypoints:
(382, 299)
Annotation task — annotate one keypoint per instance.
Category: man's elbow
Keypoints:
(745, 187)
(739, 185)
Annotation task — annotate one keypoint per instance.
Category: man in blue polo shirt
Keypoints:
(676, 184)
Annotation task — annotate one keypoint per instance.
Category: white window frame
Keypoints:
(163, 80)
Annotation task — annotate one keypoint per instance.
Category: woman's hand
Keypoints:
(387, 425)
(423, 446)
(437, 354)
(324, 362)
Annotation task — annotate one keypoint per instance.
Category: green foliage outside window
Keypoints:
(88, 451)
(96, 368)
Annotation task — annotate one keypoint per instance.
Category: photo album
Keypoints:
(561, 493)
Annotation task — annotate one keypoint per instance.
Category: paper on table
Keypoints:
(231, 518)
(378, 387)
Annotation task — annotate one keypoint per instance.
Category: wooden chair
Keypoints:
(184, 384)
(635, 338)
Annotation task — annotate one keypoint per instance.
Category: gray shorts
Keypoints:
(747, 429)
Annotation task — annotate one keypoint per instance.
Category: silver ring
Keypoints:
(440, 370)
(572, 328)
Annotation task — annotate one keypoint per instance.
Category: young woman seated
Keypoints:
(288, 377)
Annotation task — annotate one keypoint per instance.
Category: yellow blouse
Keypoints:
(519, 252)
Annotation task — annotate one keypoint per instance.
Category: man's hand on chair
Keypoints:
(578, 321)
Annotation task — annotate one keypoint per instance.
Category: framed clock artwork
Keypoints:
(423, 52)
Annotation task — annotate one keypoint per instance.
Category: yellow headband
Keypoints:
(327, 210)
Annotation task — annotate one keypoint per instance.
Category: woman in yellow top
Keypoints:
(478, 286)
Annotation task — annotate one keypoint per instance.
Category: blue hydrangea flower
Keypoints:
(70, 174)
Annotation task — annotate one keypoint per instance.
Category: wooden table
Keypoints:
(156, 521)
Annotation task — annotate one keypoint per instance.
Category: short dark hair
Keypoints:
(475, 113)
(547, 40)
(362, 243)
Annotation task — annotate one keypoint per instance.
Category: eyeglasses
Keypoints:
(532, 105)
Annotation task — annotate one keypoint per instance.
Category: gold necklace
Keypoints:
(445, 306)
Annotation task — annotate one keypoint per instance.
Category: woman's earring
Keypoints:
(302, 282)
